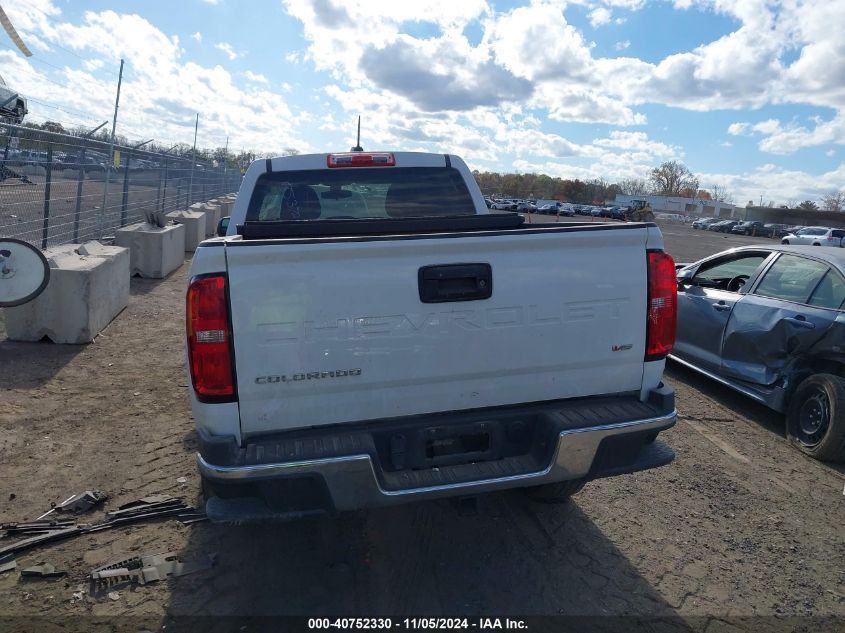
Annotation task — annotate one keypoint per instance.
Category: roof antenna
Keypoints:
(358, 147)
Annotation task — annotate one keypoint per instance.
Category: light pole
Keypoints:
(193, 162)
(111, 154)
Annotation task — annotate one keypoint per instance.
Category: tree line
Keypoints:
(671, 178)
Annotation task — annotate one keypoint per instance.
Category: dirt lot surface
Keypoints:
(740, 532)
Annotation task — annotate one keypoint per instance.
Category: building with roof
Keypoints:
(685, 206)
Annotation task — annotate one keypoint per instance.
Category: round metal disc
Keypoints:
(24, 272)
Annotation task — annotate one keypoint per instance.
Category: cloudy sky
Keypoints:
(750, 94)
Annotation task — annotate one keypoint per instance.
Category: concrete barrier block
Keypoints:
(89, 286)
(225, 207)
(154, 252)
(194, 223)
(212, 215)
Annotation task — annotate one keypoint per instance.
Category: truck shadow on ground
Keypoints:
(503, 555)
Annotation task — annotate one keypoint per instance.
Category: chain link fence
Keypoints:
(58, 188)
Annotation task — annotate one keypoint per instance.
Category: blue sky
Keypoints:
(750, 94)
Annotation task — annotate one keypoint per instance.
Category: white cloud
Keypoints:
(786, 138)
(228, 50)
(256, 77)
(830, 153)
(778, 184)
(600, 16)
(738, 129)
(93, 64)
(639, 141)
(212, 2)
(621, 46)
(197, 36)
(726, 144)
(161, 90)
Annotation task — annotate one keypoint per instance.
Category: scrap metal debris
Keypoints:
(146, 509)
(33, 527)
(151, 568)
(44, 570)
(78, 503)
(7, 563)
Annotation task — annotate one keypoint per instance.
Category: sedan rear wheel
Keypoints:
(815, 420)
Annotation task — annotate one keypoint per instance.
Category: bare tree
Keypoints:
(720, 193)
(633, 186)
(671, 178)
(833, 201)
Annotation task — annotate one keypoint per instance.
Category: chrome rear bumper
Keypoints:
(352, 481)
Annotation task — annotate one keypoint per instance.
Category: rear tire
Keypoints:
(558, 492)
(784, 242)
(815, 418)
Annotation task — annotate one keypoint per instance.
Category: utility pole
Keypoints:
(193, 162)
(111, 155)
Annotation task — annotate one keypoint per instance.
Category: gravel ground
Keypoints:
(741, 532)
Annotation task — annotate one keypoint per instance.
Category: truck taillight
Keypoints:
(662, 305)
(209, 339)
(358, 159)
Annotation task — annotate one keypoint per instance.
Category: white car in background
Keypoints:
(815, 236)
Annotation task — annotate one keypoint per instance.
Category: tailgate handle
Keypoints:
(455, 282)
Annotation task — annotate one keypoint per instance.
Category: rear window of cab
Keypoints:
(389, 192)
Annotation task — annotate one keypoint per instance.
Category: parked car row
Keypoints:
(809, 235)
(90, 161)
(530, 206)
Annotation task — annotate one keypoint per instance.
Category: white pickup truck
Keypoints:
(366, 333)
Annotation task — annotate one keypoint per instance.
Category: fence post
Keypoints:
(80, 176)
(6, 151)
(46, 228)
(125, 200)
(164, 192)
(158, 193)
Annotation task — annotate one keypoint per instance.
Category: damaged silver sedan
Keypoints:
(769, 323)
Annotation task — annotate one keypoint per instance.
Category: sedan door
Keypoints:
(705, 302)
(787, 313)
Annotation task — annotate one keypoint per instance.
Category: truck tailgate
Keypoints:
(333, 331)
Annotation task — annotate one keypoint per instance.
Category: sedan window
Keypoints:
(719, 273)
(830, 293)
(791, 278)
